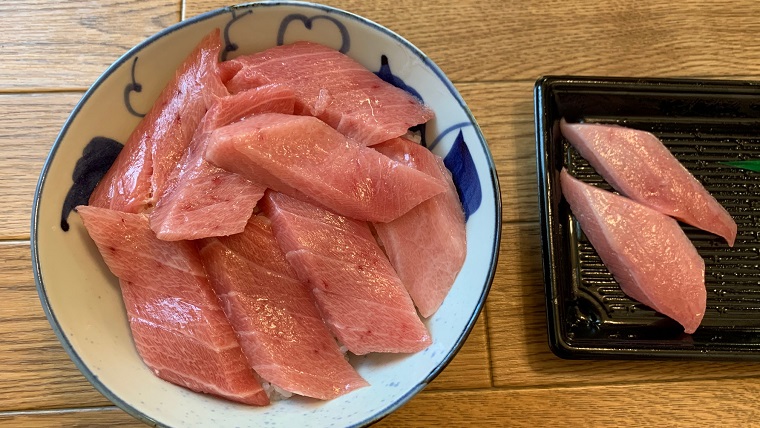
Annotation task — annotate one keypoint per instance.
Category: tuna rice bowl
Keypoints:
(295, 220)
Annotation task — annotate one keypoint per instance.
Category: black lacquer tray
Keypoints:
(704, 124)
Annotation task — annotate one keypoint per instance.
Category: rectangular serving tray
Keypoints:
(704, 123)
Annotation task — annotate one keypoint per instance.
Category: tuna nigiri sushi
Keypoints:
(332, 87)
(639, 166)
(427, 246)
(274, 314)
(177, 325)
(301, 155)
(647, 252)
(141, 172)
(356, 289)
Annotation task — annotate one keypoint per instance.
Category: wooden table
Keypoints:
(493, 51)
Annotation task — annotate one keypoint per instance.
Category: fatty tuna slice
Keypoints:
(639, 166)
(141, 171)
(646, 251)
(178, 327)
(427, 245)
(203, 200)
(334, 88)
(358, 293)
(274, 315)
(300, 155)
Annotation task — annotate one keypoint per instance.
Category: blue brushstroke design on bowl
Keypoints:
(345, 45)
(459, 162)
(97, 158)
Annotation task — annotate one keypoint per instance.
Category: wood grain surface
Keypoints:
(493, 51)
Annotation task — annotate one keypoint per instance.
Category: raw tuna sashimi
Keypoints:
(639, 166)
(427, 246)
(275, 316)
(141, 171)
(301, 155)
(357, 291)
(203, 200)
(646, 251)
(178, 327)
(334, 88)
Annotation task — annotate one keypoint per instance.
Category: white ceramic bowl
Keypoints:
(82, 299)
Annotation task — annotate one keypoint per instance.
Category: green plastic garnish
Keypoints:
(751, 165)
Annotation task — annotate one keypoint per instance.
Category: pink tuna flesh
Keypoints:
(356, 289)
(300, 155)
(646, 251)
(178, 327)
(141, 172)
(334, 88)
(427, 246)
(203, 200)
(639, 166)
(274, 315)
